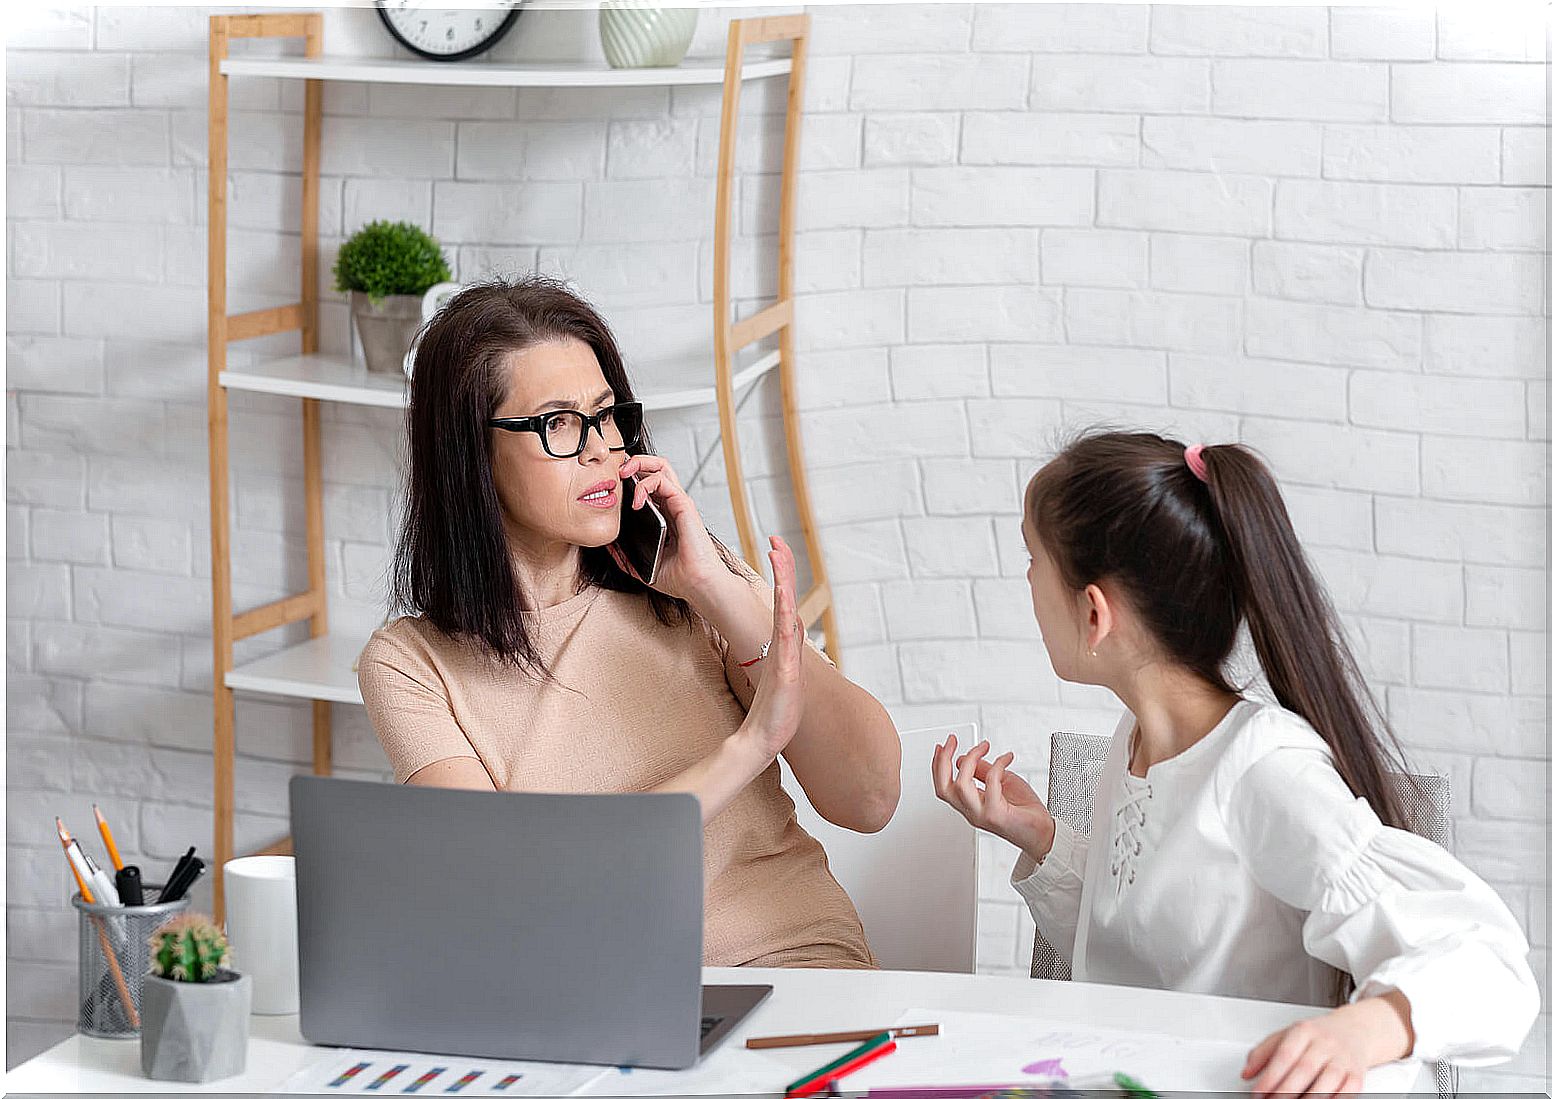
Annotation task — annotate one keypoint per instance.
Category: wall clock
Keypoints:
(447, 34)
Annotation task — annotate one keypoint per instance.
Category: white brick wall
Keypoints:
(1316, 231)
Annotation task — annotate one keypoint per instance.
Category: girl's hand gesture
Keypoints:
(689, 556)
(777, 708)
(1002, 803)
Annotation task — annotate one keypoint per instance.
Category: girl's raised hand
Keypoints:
(991, 797)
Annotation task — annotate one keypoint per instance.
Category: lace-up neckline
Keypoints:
(1131, 818)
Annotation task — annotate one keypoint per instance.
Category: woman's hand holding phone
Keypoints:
(690, 559)
(777, 709)
(992, 798)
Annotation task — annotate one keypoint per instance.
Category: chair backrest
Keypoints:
(1078, 760)
(1426, 802)
(914, 883)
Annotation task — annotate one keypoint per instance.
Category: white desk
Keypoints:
(803, 1001)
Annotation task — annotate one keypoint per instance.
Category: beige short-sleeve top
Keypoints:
(630, 703)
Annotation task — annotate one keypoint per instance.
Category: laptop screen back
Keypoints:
(555, 927)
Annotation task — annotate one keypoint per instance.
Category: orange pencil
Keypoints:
(72, 852)
(65, 841)
(107, 838)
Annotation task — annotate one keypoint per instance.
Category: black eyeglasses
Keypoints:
(563, 433)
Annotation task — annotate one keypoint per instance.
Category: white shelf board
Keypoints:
(661, 386)
(335, 378)
(317, 668)
(379, 70)
(322, 377)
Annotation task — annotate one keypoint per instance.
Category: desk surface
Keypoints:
(803, 1001)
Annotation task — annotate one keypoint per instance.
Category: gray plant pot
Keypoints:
(194, 1032)
(386, 329)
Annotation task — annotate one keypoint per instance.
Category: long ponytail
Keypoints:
(1200, 547)
(1300, 644)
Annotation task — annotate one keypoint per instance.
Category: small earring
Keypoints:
(1093, 653)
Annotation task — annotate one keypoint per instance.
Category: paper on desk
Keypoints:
(974, 1048)
(383, 1072)
(729, 1070)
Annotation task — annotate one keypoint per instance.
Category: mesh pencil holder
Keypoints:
(114, 958)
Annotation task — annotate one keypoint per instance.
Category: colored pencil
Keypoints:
(814, 1087)
(102, 932)
(850, 1055)
(786, 1041)
(107, 838)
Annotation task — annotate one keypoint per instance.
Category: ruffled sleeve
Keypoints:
(1053, 887)
(1396, 911)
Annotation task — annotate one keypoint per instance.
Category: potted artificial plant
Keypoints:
(194, 1011)
(387, 267)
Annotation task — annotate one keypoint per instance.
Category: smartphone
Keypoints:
(643, 533)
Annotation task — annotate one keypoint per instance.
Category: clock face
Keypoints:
(447, 34)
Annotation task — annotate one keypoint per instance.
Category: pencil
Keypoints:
(102, 932)
(850, 1055)
(80, 882)
(107, 838)
(786, 1041)
(815, 1086)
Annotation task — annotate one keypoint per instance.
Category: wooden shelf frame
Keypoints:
(730, 337)
(315, 669)
(227, 626)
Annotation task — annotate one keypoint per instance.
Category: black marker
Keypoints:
(127, 882)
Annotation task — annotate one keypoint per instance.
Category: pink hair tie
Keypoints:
(1197, 463)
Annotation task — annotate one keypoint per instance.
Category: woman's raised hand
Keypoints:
(690, 557)
(991, 797)
(777, 708)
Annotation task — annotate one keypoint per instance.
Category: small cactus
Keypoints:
(188, 948)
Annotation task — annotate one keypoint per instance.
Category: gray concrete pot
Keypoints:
(385, 329)
(194, 1032)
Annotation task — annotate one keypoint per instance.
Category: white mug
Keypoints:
(261, 928)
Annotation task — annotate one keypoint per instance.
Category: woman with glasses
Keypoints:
(531, 657)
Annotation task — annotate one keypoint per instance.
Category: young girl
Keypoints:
(1237, 848)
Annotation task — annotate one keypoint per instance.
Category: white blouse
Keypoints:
(1244, 866)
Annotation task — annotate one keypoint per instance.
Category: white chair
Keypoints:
(914, 883)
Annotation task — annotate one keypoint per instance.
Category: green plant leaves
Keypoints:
(188, 948)
(390, 257)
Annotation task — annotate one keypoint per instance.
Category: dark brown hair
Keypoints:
(1196, 558)
(452, 564)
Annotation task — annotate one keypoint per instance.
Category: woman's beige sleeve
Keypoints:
(407, 703)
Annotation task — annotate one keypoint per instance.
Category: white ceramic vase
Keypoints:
(261, 928)
(639, 35)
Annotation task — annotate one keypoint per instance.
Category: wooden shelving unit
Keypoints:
(319, 669)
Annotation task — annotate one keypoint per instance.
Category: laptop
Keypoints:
(539, 927)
